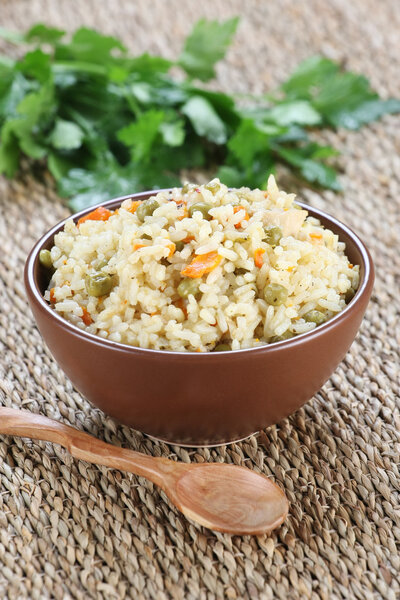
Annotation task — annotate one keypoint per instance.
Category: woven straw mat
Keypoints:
(73, 530)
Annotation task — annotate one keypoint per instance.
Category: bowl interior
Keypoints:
(355, 250)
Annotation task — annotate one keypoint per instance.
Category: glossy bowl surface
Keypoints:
(200, 398)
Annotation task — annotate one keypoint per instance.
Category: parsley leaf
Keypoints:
(366, 112)
(91, 46)
(206, 45)
(247, 142)
(298, 112)
(205, 120)
(43, 34)
(141, 134)
(66, 135)
(37, 65)
(314, 171)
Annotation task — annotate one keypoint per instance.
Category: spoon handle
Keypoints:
(83, 446)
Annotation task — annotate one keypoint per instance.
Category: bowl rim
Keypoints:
(32, 289)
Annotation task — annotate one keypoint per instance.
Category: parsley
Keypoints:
(106, 123)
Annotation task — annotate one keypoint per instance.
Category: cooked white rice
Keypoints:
(144, 308)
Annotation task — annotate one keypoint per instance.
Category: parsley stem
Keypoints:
(83, 67)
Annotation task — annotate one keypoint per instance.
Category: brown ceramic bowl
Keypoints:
(200, 398)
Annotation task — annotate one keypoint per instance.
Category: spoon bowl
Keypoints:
(222, 497)
(230, 498)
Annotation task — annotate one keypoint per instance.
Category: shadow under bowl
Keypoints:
(199, 399)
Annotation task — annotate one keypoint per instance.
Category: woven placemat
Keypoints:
(71, 530)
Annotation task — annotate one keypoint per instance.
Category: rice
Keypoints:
(229, 299)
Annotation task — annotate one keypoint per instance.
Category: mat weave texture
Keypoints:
(71, 530)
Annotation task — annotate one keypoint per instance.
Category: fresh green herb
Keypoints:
(105, 123)
(205, 46)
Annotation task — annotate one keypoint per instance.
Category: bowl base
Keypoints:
(206, 445)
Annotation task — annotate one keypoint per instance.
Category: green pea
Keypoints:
(185, 188)
(279, 338)
(222, 348)
(349, 295)
(179, 246)
(146, 209)
(275, 294)
(45, 259)
(188, 286)
(315, 316)
(213, 187)
(202, 207)
(273, 235)
(98, 284)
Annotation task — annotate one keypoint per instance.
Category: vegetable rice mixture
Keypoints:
(200, 269)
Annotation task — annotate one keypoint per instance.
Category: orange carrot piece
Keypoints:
(137, 246)
(202, 264)
(245, 218)
(171, 247)
(316, 236)
(182, 305)
(133, 207)
(187, 239)
(86, 317)
(185, 214)
(100, 214)
(52, 296)
(258, 257)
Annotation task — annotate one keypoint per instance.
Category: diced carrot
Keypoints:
(86, 317)
(181, 304)
(133, 206)
(100, 214)
(52, 296)
(187, 239)
(202, 264)
(171, 247)
(258, 257)
(350, 266)
(246, 217)
(137, 246)
(185, 214)
(316, 236)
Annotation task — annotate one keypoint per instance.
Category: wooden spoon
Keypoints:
(222, 497)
